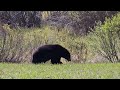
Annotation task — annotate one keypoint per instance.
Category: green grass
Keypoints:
(64, 71)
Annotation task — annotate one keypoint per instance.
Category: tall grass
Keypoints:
(19, 45)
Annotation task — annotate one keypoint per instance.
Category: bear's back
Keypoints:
(54, 46)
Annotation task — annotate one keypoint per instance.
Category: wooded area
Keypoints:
(79, 22)
(90, 36)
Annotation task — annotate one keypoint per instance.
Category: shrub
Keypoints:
(105, 39)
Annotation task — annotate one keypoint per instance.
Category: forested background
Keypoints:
(90, 36)
(79, 22)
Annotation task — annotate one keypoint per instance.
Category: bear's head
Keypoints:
(66, 55)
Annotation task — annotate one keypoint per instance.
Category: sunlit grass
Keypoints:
(64, 71)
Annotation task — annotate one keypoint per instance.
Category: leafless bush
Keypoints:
(12, 47)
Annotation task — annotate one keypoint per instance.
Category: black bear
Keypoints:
(51, 52)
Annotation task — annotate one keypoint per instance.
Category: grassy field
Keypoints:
(64, 71)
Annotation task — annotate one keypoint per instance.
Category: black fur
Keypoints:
(53, 52)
